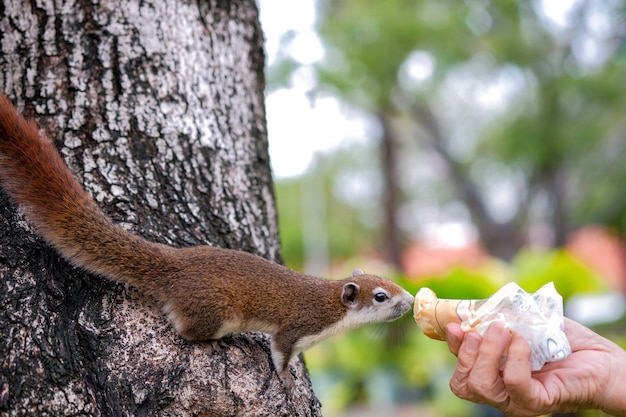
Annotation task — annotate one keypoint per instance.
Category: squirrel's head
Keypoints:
(366, 299)
(372, 299)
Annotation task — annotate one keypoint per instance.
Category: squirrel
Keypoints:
(206, 292)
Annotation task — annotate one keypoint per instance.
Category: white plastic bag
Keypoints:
(537, 317)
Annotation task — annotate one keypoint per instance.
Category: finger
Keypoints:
(493, 348)
(524, 395)
(454, 337)
(467, 353)
(485, 380)
(516, 374)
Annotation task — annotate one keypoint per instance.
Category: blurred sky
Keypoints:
(299, 127)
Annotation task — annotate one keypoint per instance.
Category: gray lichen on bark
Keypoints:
(157, 107)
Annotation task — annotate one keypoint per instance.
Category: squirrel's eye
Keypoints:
(380, 297)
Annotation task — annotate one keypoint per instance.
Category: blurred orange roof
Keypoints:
(602, 251)
(421, 260)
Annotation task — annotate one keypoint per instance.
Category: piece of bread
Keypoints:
(433, 314)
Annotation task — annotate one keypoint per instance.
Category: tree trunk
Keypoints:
(157, 107)
(502, 240)
(391, 199)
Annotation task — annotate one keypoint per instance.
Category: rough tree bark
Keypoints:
(157, 107)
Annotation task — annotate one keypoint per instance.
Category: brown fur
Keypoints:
(206, 292)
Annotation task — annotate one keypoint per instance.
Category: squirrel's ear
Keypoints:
(350, 294)
(356, 272)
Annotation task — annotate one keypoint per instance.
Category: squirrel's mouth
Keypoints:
(399, 310)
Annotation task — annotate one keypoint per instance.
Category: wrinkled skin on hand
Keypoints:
(593, 376)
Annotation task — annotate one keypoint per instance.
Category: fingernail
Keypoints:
(496, 331)
(452, 338)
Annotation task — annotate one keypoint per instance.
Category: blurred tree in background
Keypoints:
(489, 113)
(502, 122)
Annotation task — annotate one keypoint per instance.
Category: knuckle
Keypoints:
(459, 387)
(476, 383)
(491, 391)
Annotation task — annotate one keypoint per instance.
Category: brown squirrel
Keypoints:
(206, 292)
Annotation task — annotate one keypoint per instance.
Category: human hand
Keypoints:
(593, 376)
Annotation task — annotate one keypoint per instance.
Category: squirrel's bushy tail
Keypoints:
(35, 176)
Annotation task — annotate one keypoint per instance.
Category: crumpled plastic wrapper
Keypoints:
(537, 317)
